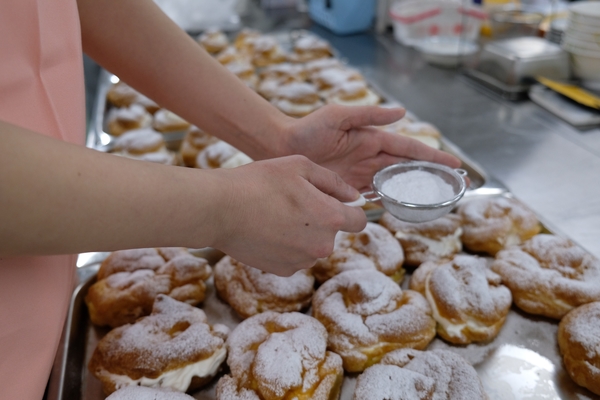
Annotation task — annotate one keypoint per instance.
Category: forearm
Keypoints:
(137, 41)
(60, 198)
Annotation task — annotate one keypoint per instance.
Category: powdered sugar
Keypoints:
(146, 393)
(390, 382)
(139, 140)
(418, 187)
(296, 90)
(584, 329)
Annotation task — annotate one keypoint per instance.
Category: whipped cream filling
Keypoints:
(445, 246)
(295, 108)
(160, 156)
(177, 379)
(451, 328)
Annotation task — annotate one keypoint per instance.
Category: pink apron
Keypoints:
(41, 89)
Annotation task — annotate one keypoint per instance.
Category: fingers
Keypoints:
(329, 182)
(353, 117)
(405, 147)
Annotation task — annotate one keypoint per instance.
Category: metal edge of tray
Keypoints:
(68, 376)
(66, 380)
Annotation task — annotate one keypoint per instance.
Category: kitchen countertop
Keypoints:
(549, 165)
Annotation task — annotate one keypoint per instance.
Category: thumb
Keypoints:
(358, 116)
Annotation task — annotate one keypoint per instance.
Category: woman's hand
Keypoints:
(282, 214)
(344, 140)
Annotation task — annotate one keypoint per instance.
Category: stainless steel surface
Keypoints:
(515, 62)
(521, 363)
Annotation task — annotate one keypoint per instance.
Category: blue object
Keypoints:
(343, 17)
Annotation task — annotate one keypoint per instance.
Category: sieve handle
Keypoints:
(366, 197)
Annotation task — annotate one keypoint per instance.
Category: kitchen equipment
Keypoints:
(343, 17)
(509, 66)
(410, 212)
(414, 20)
(514, 21)
(582, 41)
(446, 52)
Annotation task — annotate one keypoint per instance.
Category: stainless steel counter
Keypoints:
(552, 167)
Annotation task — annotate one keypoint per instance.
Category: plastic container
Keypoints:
(343, 17)
(415, 20)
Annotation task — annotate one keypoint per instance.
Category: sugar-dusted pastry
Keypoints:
(367, 315)
(310, 47)
(195, 140)
(213, 40)
(420, 375)
(143, 144)
(167, 121)
(231, 54)
(269, 87)
(426, 241)
(245, 71)
(221, 155)
(174, 347)
(297, 99)
(421, 131)
(353, 93)
(491, 224)
(121, 94)
(374, 248)
(123, 119)
(469, 301)
(579, 343)
(130, 280)
(549, 275)
(147, 393)
(320, 64)
(265, 50)
(276, 356)
(243, 39)
(326, 80)
(296, 72)
(250, 291)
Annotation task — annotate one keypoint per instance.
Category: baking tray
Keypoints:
(522, 362)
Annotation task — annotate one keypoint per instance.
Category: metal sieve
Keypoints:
(416, 212)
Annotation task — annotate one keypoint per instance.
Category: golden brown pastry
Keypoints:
(549, 275)
(265, 50)
(367, 315)
(353, 93)
(129, 281)
(468, 300)
(213, 41)
(420, 375)
(326, 80)
(167, 121)
(245, 71)
(195, 140)
(243, 39)
(310, 47)
(579, 343)
(147, 393)
(221, 155)
(493, 223)
(276, 356)
(297, 99)
(426, 241)
(231, 54)
(123, 119)
(374, 248)
(121, 94)
(174, 347)
(283, 71)
(421, 131)
(144, 144)
(320, 64)
(268, 87)
(250, 291)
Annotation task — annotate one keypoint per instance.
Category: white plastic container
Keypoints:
(414, 20)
